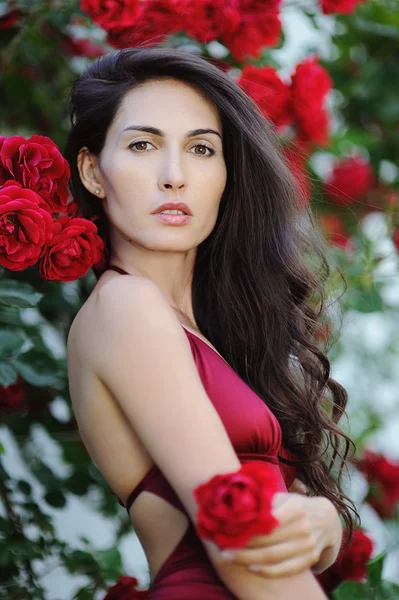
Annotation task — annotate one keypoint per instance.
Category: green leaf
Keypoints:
(18, 294)
(10, 315)
(374, 569)
(10, 343)
(85, 593)
(5, 555)
(370, 302)
(24, 487)
(78, 483)
(365, 301)
(388, 590)
(55, 498)
(37, 368)
(8, 374)
(111, 562)
(353, 590)
(79, 561)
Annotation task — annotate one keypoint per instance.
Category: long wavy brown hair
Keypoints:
(259, 284)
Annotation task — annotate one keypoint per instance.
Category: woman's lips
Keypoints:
(173, 219)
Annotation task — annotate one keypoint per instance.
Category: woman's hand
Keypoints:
(309, 535)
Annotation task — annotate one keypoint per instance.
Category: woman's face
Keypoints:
(139, 170)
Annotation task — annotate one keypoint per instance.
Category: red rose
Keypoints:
(259, 27)
(383, 476)
(336, 232)
(81, 47)
(296, 158)
(125, 589)
(351, 178)
(10, 19)
(392, 202)
(25, 226)
(72, 209)
(233, 507)
(73, 249)
(12, 396)
(309, 87)
(157, 20)
(396, 238)
(37, 164)
(339, 6)
(271, 94)
(351, 564)
(112, 13)
(209, 19)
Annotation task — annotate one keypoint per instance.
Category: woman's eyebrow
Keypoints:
(156, 131)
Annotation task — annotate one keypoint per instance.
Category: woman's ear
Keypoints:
(88, 171)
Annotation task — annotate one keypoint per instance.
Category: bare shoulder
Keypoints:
(115, 304)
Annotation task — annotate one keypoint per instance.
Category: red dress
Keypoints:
(187, 573)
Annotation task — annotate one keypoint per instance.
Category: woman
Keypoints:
(195, 351)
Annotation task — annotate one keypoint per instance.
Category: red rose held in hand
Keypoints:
(25, 226)
(73, 249)
(236, 506)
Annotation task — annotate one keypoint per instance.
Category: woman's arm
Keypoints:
(141, 353)
(247, 585)
(334, 526)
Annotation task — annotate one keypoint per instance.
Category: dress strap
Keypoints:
(140, 487)
(118, 269)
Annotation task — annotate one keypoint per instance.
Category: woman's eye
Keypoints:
(133, 144)
(138, 146)
(204, 147)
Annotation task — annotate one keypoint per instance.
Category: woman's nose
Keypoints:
(172, 176)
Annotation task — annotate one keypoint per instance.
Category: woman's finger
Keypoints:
(298, 528)
(275, 554)
(289, 567)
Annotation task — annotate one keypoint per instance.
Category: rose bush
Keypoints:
(351, 564)
(347, 7)
(12, 396)
(383, 477)
(310, 86)
(73, 249)
(350, 179)
(36, 164)
(112, 13)
(156, 20)
(25, 226)
(270, 93)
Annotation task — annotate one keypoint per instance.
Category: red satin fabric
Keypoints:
(255, 433)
